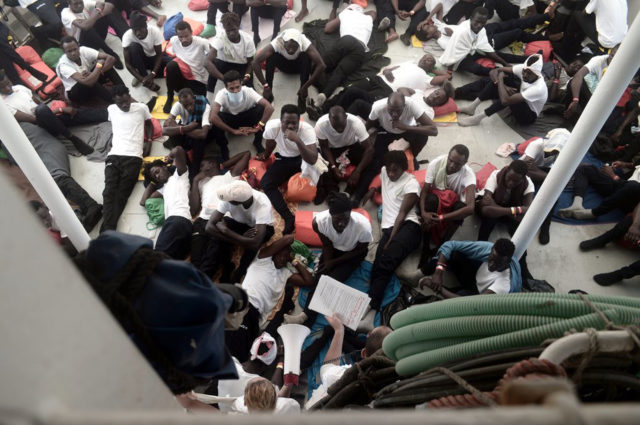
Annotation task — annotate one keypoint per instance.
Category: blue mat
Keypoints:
(360, 281)
(591, 199)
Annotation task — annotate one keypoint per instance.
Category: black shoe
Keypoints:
(81, 146)
(543, 236)
(314, 112)
(152, 103)
(118, 64)
(594, 243)
(406, 39)
(289, 226)
(92, 217)
(607, 279)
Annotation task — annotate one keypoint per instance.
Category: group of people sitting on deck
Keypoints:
(233, 229)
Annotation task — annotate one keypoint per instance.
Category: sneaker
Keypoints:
(384, 23)
(406, 39)
(92, 217)
(607, 279)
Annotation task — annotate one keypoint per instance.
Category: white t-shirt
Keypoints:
(260, 211)
(457, 182)
(354, 131)
(302, 40)
(67, 17)
(446, 5)
(497, 282)
(284, 406)
(534, 94)
(392, 196)
(176, 196)
(611, 20)
(286, 147)
(408, 75)
(535, 150)
(194, 55)
(444, 39)
(128, 129)
(465, 42)
(209, 193)
(264, 284)
(234, 52)
(153, 38)
(355, 23)
(329, 375)
(66, 67)
(357, 231)
(597, 66)
(492, 183)
(21, 99)
(249, 99)
(412, 111)
(178, 110)
(522, 4)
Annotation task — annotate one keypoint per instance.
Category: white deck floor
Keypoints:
(560, 262)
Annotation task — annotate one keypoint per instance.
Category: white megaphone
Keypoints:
(293, 337)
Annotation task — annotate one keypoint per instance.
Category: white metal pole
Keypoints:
(621, 70)
(32, 166)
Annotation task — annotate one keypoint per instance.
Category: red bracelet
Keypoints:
(441, 217)
(556, 81)
(576, 99)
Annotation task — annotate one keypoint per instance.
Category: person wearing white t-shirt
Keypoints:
(89, 21)
(142, 51)
(203, 198)
(239, 110)
(192, 51)
(175, 236)
(132, 131)
(447, 197)
(525, 104)
(386, 12)
(348, 53)
(399, 117)
(507, 196)
(400, 223)
(480, 267)
(340, 133)
(267, 278)
(580, 93)
(292, 53)
(45, 10)
(193, 130)
(604, 22)
(84, 70)
(243, 217)
(231, 49)
(296, 142)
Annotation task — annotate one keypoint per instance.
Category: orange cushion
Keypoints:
(304, 227)
(486, 62)
(533, 47)
(196, 26)
(198, 5)
(445, 109)
(299, 189)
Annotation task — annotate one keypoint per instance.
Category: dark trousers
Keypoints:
(384, 9)
(175, 237)
(219, 252)
(487, 224)
(58, 124)
(501, 34)
(280, 172)
(300, 65)
(344, 58)
(95, 37)
(199, 148)
(176, 82)
(469, 64)
(588, 175)
(80, 93)
(266, 12)
(120, 177)
(199, 242)
(239, 342)
(484, 89)
(368, 91)
(417, 17)
(387, 260)
(248, 118)
(579, 25)
(212, 11)
(505, 9)
(75, 193)
(625, 198)
(224, 67)
(463, 268)
(462, 9)
(143, 63)
(51, 24)
(615, 233)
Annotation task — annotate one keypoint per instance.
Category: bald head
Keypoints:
(338, 118)
(396, 100)
(374, 339)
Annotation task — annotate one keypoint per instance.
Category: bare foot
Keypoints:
(391, 37)
(161, 20)
(303, 13)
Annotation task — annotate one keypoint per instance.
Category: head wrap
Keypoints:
(291, 34)
(268, 357)
(339, 203)
(237, 191)
(535, 67)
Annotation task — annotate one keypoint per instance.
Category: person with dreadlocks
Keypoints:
(507, 196)
(231, 49)
(175, 236)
